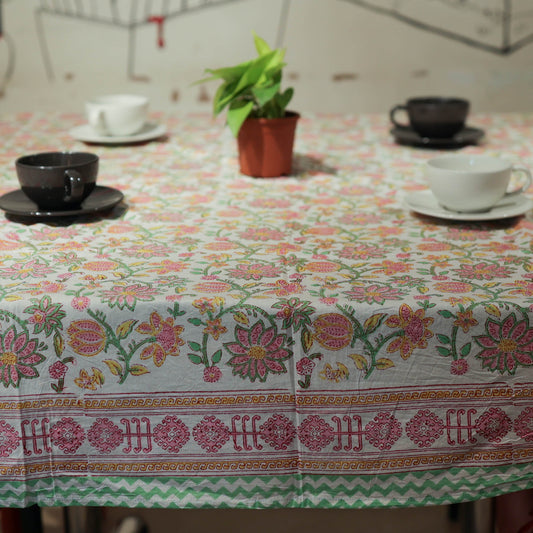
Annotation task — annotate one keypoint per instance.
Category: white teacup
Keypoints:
(117, 114)
(470, 183)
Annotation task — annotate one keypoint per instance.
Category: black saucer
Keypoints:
(410, 137)
(102, 198)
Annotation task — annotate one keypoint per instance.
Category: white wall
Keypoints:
(342, 57)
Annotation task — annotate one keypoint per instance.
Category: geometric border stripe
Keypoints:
(305, 491)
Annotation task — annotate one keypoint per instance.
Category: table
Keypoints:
(223, 341)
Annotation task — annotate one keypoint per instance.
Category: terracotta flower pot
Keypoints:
(266, 145)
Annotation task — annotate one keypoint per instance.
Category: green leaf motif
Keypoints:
(195, 346)
(465, 350)
(444, 339)
(217, 356)
(59, 344)
(196, 359)
(446, 314)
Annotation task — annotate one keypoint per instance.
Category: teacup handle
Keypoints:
(73, 186)
(97, 121)
(525, 186)
(392, 113)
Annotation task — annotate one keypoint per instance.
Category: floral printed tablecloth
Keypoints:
(219, 340)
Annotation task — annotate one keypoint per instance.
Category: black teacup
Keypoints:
(57, 180)
(433, 116)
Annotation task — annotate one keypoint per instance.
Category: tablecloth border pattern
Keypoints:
(258, 492)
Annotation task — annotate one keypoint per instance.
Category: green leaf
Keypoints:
(446, 314)
(59, 344)
(227, 73)
(195, 321)
(238, 112)
(195, 346)
(254, 71)
(465, 350)
(444, 339)
(251, 86)
(263, 94)
(224, 95)
(443, 351)
(260, 44)
(283, 99)
(217, 356)
(196, 359)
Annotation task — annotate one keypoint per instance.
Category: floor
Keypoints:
(418, 520)
(478, 517)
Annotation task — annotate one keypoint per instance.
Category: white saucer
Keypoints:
(425, 203)
(86, 134)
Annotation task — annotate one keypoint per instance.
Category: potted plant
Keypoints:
(256, 111)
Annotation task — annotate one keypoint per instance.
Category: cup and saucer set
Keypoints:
(434, 122)
(472, 188)
(58, 184)
(117, 119)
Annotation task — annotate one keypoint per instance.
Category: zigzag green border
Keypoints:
(282, 491)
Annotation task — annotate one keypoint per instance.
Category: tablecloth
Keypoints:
(217, 340)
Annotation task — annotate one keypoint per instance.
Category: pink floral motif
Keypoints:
(255, 271)
(46, 316)
(18, 357)
(466, 234)
(127, 295)
(104, 435)
(305, 366)
(333, 331)
(215, 328)
(30, 269)
(523, 425)
(493, 424)
(391, 268)
(465, 320)
(459, 367)
(415, 328)
(522, 287)
(80, 303)
(87, 337)
(211, 434)
(361, 252)
(147, 250)
(58, 370)
(212, 374)
(166, 336)
(315, 433)
(373, 294)
(9, 439)
(262, 234)
(424, 428)
(67, 435)
(167, 267)
(383, 431)
(278, 431)
(483, 271)
(171, 434)
(507, 345)
(285, 288)
(258, 351)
